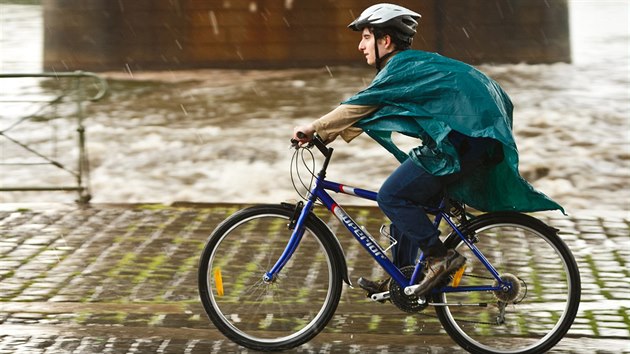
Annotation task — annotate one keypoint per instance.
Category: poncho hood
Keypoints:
(426, 95)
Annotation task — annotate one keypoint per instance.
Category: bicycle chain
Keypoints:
(462, 320)
(469, 321)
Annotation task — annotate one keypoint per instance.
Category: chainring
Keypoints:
(407, 303)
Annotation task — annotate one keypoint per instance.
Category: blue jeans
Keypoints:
(410, 187)
(401, 198)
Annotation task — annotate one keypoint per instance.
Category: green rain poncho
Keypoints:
(426, 95)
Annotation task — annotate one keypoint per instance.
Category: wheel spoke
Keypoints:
(268, 315)
(539, 306)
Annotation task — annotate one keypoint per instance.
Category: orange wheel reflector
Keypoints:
(218, 281)
(458, 276)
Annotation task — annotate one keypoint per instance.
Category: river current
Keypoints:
(222, 135)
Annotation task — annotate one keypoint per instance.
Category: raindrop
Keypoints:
(213, 21)
(499, 9)
(128, 69)
(329, 72)
(179, 45)
(183, 109)
(65, 243)
(544, 35)
(465, 32)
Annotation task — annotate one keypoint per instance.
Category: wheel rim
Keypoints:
(541, 315)
(275, 312)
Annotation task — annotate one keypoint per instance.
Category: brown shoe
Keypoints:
(374, 287)
(437, 268)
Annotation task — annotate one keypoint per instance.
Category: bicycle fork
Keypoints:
(296, 224)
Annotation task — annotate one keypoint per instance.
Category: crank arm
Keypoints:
(380, 296)
(410, 290)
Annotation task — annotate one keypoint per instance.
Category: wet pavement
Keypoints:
(122, 279)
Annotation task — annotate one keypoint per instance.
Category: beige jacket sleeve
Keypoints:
(339, 121)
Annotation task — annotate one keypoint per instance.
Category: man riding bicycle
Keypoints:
(462, 117)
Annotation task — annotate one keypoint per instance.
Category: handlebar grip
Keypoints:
(317, 141)
(295, 142)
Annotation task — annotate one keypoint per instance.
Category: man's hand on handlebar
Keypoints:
(303, 134)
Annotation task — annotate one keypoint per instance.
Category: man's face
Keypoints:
(366, 46)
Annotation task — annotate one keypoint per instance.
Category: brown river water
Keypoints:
(222, 135)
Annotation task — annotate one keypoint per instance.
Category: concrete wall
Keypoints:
(532, 31)
(101, 35)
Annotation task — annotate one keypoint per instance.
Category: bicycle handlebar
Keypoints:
(321, 146)
(317, 141)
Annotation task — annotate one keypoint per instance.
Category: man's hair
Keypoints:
(400, 44)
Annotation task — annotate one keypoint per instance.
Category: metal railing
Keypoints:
(48, 100)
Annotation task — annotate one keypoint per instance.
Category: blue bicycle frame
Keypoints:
(318, 192)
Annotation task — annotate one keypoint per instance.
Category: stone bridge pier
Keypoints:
(98, 35)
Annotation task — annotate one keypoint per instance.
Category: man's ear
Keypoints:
(388, 41)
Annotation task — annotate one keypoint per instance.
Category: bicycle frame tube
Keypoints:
(475, 250)
(480, 256)
(366, 240)
(360, 234)
(441, 215)
(341, 188)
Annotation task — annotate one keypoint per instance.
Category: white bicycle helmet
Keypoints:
(399, 22)
(403, 20)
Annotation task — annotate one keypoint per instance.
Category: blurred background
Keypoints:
(203, 95)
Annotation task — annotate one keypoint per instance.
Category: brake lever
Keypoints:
(295, 144)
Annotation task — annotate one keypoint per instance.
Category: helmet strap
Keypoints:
(378, 60)
(377, 57)
(383, 58)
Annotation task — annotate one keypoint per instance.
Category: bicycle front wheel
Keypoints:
(268, 315)
(539, 308)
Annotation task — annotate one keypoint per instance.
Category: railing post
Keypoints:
(82, 174)
(83, 163)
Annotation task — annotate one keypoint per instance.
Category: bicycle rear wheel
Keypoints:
(275, 315)
(540, 307)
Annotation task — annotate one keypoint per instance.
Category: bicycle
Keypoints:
(266, 290)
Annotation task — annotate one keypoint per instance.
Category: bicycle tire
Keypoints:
(540, 309)
(269, 316)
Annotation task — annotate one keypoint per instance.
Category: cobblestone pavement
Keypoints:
(122, 279)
